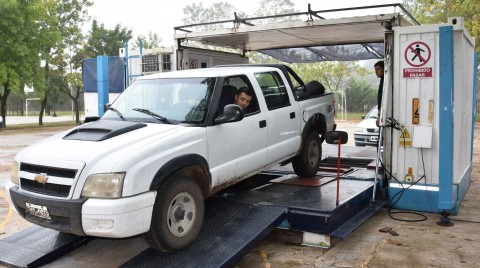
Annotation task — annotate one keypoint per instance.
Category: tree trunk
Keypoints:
(3, 103)
(77, 112)
(43, 104)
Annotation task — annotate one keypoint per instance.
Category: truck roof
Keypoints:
(210, 72)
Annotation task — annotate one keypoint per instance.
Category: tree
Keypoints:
(60, 31)
(361, 96)
(333, 75)
(430, 12)
(275, 7)
(102, 41)
(150, 41)
(21, 26)
(196, 13)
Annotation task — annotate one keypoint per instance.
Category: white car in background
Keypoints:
(366, 132)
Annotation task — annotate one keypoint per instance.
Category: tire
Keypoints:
(177, 214)
(307, 162)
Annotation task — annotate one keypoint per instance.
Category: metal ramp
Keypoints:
(36, 246)
(231, 229)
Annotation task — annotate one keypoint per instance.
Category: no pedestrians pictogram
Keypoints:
(417, 54)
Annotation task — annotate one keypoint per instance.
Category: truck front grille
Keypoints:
(45, 188)
(50, 171)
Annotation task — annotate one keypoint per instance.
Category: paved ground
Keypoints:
(421, 244)
(21, 120)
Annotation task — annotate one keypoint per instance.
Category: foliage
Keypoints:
(275, 7)
(150, 41)
(334, 76)
(102, 41)
(196, 13)
(21, 24)
(360, 95)
(432, 12)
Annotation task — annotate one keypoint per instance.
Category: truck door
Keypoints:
(240, 148)
(282, 117)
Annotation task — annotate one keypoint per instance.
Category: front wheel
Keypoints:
(307, 162)
(177, 214)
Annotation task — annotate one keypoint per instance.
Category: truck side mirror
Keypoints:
(231, 113)
(333, 137)
(89, 119)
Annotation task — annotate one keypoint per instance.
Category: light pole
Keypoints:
(344, 104)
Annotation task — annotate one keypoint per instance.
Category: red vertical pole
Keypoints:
(338, 169)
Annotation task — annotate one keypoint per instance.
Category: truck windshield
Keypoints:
(178, 100)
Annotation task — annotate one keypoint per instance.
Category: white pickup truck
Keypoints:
(169, 141)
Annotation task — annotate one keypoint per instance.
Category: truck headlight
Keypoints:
(360, 129)
(15, 173)
(109, 185)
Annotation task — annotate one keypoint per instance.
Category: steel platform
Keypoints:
(231, 229)
(36, 246)
(314, 209)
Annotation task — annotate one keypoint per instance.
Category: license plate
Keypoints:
(39, 211)
(374, 138)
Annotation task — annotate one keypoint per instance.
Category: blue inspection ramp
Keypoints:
(237, 219)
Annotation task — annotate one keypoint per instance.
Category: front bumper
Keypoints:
(366, 139)
(116, 218)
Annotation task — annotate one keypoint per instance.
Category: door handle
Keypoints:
(292, 115)
(262, 123)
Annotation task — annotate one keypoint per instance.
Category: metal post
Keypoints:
(338, 169)
(377, 163)
(127, 71)
(102, 83)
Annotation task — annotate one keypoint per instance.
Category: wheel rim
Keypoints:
(182, 213)
(313, 153)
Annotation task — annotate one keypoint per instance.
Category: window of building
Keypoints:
(150, 63)
(167, 62)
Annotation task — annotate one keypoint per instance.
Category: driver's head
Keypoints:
(244, 97)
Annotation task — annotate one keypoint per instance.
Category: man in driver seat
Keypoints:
(243, 98)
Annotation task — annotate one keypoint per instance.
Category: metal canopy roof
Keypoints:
(343, 39)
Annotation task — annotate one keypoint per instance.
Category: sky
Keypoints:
(143, 16)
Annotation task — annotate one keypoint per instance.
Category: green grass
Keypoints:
(59, 113)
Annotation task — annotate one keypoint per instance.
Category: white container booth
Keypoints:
(430, 95)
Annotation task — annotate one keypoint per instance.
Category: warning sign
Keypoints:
(405, 139)
(415, 114)
(418, 61)
(193, 64)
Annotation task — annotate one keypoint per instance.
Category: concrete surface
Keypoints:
(20, 120)
(419, 244)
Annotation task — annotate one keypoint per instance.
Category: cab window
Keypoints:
(273, 90)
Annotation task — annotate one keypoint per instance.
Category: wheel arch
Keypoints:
(192, 165)
(316, 122)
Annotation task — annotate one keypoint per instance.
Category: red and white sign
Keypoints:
(418, 62)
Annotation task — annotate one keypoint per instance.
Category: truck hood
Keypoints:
(100, 139)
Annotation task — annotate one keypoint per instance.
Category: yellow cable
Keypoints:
(10, 211)
(264, 256)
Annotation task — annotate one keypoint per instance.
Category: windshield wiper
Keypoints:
(117, 112)
(154, 115)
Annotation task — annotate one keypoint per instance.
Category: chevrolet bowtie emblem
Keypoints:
(41, 178)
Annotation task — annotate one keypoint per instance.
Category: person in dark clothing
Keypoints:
(379, 71)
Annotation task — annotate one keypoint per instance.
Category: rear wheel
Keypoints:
(177, 214)
(307, 162)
